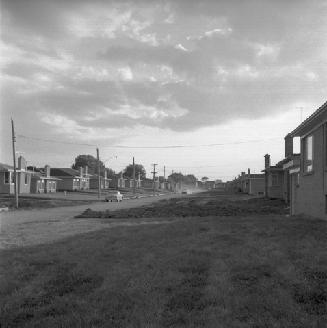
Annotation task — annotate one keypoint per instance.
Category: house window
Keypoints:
(26, 179)
(12, 177)
(7, 177)
(308, 154)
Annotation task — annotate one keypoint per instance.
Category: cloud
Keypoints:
(126, 73)
(181, 47)
(124, 64)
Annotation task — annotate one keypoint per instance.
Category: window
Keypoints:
(12, 177)
(26, 179)
(7, 177)
(308, 154)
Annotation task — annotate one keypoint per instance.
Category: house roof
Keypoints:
(40, 175)
(95, 176)
(310, 122)
(62, 172)
(5, 167)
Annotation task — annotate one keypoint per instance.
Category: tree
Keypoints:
(176, 177)
(204, 179)
(128, 171)
(110, 173)
(190, 179)
(92, 163)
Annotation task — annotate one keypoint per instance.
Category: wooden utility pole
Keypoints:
(164, 173)
(133, 176)
(154, 177)
(14, 157)
(99, 178)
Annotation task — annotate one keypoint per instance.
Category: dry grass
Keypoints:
(31, 202)
(198, 205)
(258, 271)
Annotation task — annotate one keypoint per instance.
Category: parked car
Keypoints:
(114, 198)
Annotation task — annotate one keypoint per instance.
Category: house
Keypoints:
(309, 177)
(291, 161)
(253, 184)
(104, 181)
(7, 179)
(71, 179)
(42, 182)
(209, 184)
(274, 179)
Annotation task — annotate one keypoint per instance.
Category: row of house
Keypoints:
(249, 183)
(48, 180)
(300, 179)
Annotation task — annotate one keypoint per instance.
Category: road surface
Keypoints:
(38, 226)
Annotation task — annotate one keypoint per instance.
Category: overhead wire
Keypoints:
(144, 147)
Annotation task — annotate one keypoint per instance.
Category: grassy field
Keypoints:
(30, 202)
(229, 271)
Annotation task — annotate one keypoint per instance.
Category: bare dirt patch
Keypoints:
(206, 205)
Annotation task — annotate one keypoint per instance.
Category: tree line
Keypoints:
(92, 163)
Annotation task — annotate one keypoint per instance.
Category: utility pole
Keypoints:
(164, 173)
(133, 176)
(14, 157)
(154, 177)
(99, 178)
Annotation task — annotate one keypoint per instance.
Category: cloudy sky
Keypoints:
(226, 79)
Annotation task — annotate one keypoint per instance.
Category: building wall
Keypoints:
(257, 186)
(5, 188)
(67, 184)
(275, 190)
(24, 188)
(310, 197)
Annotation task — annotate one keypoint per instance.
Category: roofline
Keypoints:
(308, 120)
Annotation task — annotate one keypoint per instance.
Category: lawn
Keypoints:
(228, 271)
(31, 202)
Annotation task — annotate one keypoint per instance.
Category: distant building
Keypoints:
(104, 181)
(274, 179)
(42, 182)
(309, 175)
(70, 179)
(7, 178)
(253, 184)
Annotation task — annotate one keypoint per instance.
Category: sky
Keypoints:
(224, 81)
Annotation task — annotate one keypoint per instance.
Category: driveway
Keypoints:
(38, 226)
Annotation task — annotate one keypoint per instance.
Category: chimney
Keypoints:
(86, 169)
(21, 163)
(267, 161)
(80, 171)
(47, 171)
(249, 171)
(288, 146)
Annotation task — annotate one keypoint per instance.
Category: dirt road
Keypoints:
(37, 226)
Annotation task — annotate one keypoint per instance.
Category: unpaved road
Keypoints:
(38, 226)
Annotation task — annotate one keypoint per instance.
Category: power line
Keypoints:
(55, 141)
(147, 147)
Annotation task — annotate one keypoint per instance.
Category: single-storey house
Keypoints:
(42, 182)
(253, 184)
(70, 179)
(274, 179)
(309, 178)
(7, 179)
